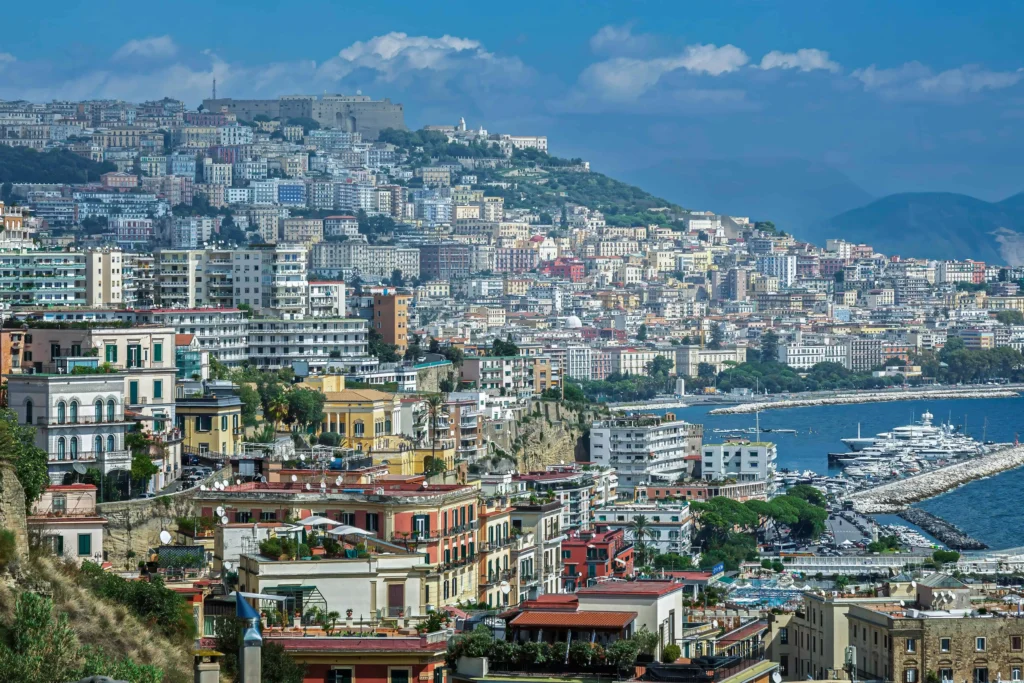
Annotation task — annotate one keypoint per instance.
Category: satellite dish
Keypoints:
(228, 566)
(220, 511)
(302, 457)
(238, 481)
(202, 487)
(337, 482)
(913, 584)
(165, 536)
(294, 478)
(308, 487)
(224, 519)
(776, 678)
(504, 587)
(902, 604)
(79, 468)
(225, 483)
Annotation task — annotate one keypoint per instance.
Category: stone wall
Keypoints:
(429, 379)
(12, 508)
(548, 433)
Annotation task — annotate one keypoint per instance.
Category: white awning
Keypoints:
(346, 530)
(316, 520)
(259, 596)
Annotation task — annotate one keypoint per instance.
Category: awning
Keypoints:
(316, 520)
(260, 596)
(346, 530)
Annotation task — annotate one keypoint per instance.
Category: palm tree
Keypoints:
(277, 410)
(641, 531)
(435, 410)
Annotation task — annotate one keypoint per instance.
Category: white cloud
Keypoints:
(398, 54)
(807, 59)
(620, 40)
(155, 47)
(914, 80)
(626, 78)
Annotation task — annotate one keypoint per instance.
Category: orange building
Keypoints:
(391, 317)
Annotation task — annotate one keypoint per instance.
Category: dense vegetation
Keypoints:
(24, 165)
(727, 530)
(17, 446)
(955, 363)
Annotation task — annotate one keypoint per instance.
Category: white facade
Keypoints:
(806, 356)
(341, 342)
(640, 449)
(781, 266)
(739, 460)
(671, 525)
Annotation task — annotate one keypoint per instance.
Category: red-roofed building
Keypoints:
(562, 626)
(65, 519)
(401, 659)
(658, 605)
(591, 555)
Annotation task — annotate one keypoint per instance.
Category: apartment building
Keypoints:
(590, 556)
(326, 299)
(221, 332)
(499, 375)
(391, 317)
(104, 278)
(689, 357)
(496, 542)
(42, 278)
(537, 555)
(671, 525)
(65, 521)
(320, 342)
(743, 461)
(210, 420)
(305, 231)
(641, 449)
(359, 258)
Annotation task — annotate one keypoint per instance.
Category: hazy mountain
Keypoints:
(936, 225)
(795, 194)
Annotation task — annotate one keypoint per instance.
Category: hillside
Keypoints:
(24, 165)
(936, 225)
(795, 194)
(539, 180)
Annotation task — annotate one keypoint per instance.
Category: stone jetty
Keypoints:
(865, 397)
(897, 495)
(950, 535)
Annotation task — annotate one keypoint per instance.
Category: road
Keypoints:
(843, 530)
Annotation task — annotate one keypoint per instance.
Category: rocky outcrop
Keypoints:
(549, 433)
(866, 397)
(895, 496)
(12, 508)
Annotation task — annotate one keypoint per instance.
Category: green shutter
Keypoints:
(84, 544)
(158, 352)
(111, 353)
(224, 423)
(133, 393)
(158, 388)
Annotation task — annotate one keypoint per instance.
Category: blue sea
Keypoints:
(979, 508)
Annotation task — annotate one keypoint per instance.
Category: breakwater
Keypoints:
(897, 495)
(950, 534)
(865, 397)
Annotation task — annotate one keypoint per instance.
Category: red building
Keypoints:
(594, 555)
(568, 269)
(403, 659)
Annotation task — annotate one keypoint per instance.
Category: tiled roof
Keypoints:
(744, 632)
(183, 339)
(653, 588)
(545, 619)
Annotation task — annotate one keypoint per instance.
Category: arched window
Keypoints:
(110, 443)
(74, 448)
(97, 444)
(111, 410)
(29, 410)
(61, 448)
(359, 428)
(61, 413)
(74, 412)
(97, 412)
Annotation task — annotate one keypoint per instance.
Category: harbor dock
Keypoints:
(867, 397)
(950, 535)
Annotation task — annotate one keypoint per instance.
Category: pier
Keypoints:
(867, 397)
(949, 534)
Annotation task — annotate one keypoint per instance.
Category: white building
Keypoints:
(781, 266)
(339, 342)
(670, 523)
(806, 356)
(739, 460)
(64, 519)
(640, 449)
(326, 299)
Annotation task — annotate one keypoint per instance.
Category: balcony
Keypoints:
(88, 457)
(497, 577)
(69, 421)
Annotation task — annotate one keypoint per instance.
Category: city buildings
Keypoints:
(642, 449)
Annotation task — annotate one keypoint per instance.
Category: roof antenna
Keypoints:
(214, 88)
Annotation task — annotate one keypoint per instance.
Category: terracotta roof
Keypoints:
(357, 644)
(653, 588)
(744, 632)
(183, 339)
(689, 576)
(545, 619)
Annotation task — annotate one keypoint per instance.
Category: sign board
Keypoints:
(718, 568)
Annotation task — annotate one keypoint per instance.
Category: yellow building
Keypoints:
(212, 421)
(363, 418)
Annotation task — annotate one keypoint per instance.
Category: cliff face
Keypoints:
(12, 508)
(549, 433)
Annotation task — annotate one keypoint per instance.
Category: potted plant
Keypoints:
(348, 613)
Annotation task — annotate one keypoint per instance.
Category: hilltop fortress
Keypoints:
(351, 113)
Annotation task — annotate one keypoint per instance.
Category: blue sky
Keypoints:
(906, 96)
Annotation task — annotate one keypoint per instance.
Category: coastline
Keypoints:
(869, 397)
(895, 496)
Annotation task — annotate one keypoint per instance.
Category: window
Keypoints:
(110, 354)
(73, 413)
(946, 675)
(60, 503)
(54, 351)
(981, 675)
(339, 676)
(111, 410)
(784, 665)
(158, 352)
(204, 423)
(399, 675)
(943, 644)
(62, 410)
(910, 676)
(84, 545)
(268, 516)
(372, 521)
(1015, 643)
(1015, 673)
(911, 645)
(158, 388)
(133, 393)
(97, 444)
(61, 448)
(74, 448)
(784, 636)
(29, 410)
(979, 644)
(110, 442)
(224, 423)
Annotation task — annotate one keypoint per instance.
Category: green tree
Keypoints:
(1010, 317)
(769, 347)
(504, 348)
(705, 371)
(39, 647)
(641, 530)
(945, 556)
(641, 333)
(717, 336)
(659, 367)
(17, 445)
(305, 407)
(250, 403)
(385, 353)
